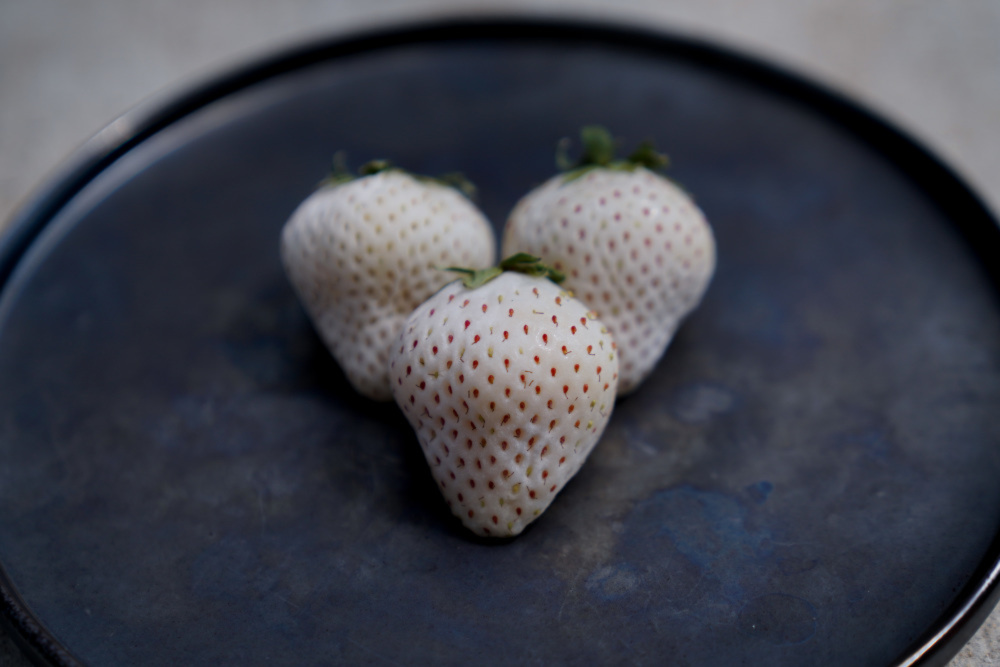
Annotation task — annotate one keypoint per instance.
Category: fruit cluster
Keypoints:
(508, 375)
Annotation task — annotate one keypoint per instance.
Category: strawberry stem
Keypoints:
(457, 180)
(519, 263)
(340, 173)
(373, 167)
(647, 156)
(598, 146)
(599, 153)
(473, 278)
(522, 262)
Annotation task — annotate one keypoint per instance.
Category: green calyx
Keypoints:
(340, 173)
(520, 263)
(599, 153)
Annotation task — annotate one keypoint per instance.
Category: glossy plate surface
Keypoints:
(809, 478)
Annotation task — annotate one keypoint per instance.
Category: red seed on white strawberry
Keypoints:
(362, 255)
(633, 245)
(508, 386)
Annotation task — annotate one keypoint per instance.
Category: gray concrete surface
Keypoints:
(68, 68)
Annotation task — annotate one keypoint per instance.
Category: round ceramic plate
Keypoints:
(808, 478)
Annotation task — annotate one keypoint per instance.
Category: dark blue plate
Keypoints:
(809, 478)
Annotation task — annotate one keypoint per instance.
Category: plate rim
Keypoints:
(971, 605)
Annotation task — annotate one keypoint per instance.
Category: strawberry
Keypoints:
(508, 382)
(361, 254)
(633, 245)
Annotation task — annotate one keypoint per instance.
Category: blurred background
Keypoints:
(69, 68)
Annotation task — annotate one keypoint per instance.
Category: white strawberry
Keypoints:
(633, 245)
(508, 386)
(362, 254)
